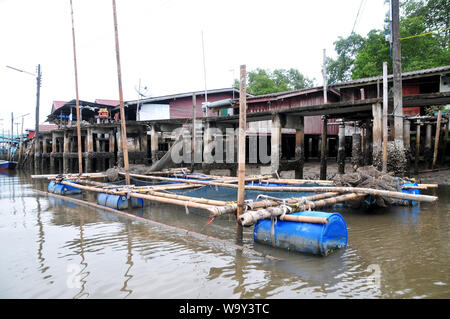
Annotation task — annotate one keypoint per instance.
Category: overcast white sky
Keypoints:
(160, 43)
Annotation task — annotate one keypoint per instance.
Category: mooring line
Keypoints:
(185, 231)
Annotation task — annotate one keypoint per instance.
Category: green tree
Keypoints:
(360, 57)
(340, 70)
(263, 81)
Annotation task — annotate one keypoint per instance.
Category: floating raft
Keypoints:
(284, 212)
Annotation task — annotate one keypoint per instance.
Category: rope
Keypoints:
(424, 34)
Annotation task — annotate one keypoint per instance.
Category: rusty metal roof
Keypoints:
(405, 75)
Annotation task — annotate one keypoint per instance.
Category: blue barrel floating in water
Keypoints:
(62, 189)
(317, 239)
(137, 202)
(113, 201)
(411, 191)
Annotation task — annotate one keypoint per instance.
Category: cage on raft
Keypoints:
(304, 237)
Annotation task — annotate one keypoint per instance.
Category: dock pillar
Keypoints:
(445, 141)
(417, 157)
(377, 134)
(275, 154)
(208, 146)
(144, 146)
(407, 143)
(52, 155)
(300, 148)
(341, 150)
(44, 153)
(154, 144)
(356, 151)
(37, 154)
(89, 149)
(428, 150)
(324, 149)
(66, 167)
(111, 149)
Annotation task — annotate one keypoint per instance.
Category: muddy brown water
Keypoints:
(56, 249)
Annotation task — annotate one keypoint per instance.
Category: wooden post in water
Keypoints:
(377, 135)
(122, 111)
(241, 156)
(444, 149)
(275, 141)
(341, 149)
(407, 144)
(194, 130)
(80, 155)
(417, 157)
(428, 151)
(385, 118)
(323, 150)
(436, 139)
(300, 147)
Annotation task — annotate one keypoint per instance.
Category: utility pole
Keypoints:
(38, 95)
(398, 96)
(122, 111)
(80, 155)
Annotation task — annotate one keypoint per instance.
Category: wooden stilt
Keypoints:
(300, 147)
(323, 149)
(80, 155)
(341, 150)
(275, 154)
(417, 156)
(436, 140)
(122, 111)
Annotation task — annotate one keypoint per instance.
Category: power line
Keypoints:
(357, 15)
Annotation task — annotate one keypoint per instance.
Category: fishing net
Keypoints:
(370, 177)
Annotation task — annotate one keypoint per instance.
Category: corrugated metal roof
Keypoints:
(405, 75)
(182, 95)
(288, 94)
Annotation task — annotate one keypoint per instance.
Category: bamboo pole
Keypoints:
(122, 111)
(320, 189)
(231, 208)
(69, 176)
(80, 155)
(385, 117)
(241, 156)
(297, 181)
(436, 139)
(251, 217)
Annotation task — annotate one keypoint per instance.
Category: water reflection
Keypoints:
(128, 262)
(116, 257)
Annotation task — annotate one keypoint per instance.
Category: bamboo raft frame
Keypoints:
(267, 207)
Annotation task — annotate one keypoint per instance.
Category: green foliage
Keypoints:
(360, 57)
(265, 82)
(340, 70)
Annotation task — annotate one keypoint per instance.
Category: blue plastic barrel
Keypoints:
(411, 191)
(112, 201)
(137, 202)
(62, 189)
(317, 239)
